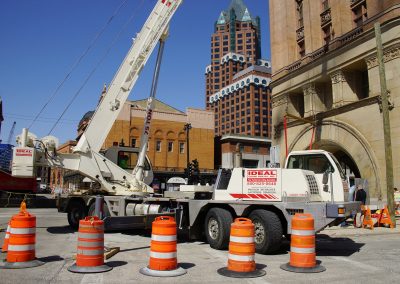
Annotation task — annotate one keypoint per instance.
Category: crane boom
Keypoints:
(10, 136)
(86, 158)
(126, 76)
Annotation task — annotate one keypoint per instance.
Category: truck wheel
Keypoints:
(76, 212)
(105, 210)
(217, 227)
(268, 231)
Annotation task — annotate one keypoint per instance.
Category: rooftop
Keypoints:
(241, 13)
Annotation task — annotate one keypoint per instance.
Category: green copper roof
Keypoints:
(221, 19)
(240, 10)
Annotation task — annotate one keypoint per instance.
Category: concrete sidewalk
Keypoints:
(350, 230)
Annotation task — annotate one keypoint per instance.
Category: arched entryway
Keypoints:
(348, 145)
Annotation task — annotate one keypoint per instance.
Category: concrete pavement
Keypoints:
(349, 255)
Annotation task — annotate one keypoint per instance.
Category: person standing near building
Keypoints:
(361, 195)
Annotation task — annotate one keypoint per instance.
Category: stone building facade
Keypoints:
(325, 71)
(237, 80)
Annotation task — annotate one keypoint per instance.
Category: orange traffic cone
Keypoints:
(241, 257)
(163, 261)
(21, 243)
(6, 237)
(385, 218)
(90, 255)
(302, 246)
(368, 219)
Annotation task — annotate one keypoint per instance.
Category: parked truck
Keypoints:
(311, 182)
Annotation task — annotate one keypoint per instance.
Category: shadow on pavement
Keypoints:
(51, 258)
(328, 246)
(116, 263)
(60, 230)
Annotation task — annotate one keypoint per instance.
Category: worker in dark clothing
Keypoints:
(361, 195)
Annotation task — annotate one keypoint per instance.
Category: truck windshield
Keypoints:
(316, 163)
(341, 171)
(128, 160)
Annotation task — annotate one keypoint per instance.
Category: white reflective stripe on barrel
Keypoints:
(303, 232)
(90, 244)
(90, 236)
(90, 251)
(21, 247)
(302, 250)
(97, 227)
(22, 231)
(163, 238)
(243, 240)
(241, 257)
(163, 255)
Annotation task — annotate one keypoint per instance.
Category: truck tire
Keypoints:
(217, 227)
(268, 231)
(76, 212)
(92, 208)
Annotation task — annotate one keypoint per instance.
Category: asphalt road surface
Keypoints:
(349, 255)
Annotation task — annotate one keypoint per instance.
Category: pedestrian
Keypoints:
(361, 195)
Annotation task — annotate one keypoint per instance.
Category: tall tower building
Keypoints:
(237, 80)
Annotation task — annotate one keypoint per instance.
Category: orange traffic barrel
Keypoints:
(4, 248)
(21, 251)
(163, 252)
(90, 252)
(241, 256)
(302, 246)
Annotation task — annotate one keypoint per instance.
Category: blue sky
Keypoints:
(41, 40)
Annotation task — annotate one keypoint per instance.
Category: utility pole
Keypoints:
(386, 125)
(187, 128)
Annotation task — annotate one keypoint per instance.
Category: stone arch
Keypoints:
(134, 132)
(158, 134)
(182, 136)
(171, 135)
(344, 136)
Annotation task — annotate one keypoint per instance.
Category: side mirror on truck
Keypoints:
(325, 179)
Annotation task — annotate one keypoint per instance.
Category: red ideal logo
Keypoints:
(261, 173)
(24, 152)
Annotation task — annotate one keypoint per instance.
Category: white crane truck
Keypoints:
(268, 196)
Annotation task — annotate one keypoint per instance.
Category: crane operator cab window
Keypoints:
(128, 160)
(316, 163)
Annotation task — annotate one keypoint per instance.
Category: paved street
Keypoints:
(349, 255)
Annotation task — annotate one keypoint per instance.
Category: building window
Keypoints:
(299, 10)
(170, 146)
(158, 146)
(133, 142)
(359, 9)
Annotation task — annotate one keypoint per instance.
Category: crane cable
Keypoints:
(78, 61)
(97, 65)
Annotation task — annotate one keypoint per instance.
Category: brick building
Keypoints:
(237, 80)
(167, 149)
(325, 71)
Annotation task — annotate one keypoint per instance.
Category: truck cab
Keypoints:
(321, 162)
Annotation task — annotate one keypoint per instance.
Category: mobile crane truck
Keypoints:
(268, 196)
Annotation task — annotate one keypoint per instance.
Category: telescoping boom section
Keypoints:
(86, 158)
(126, 76)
